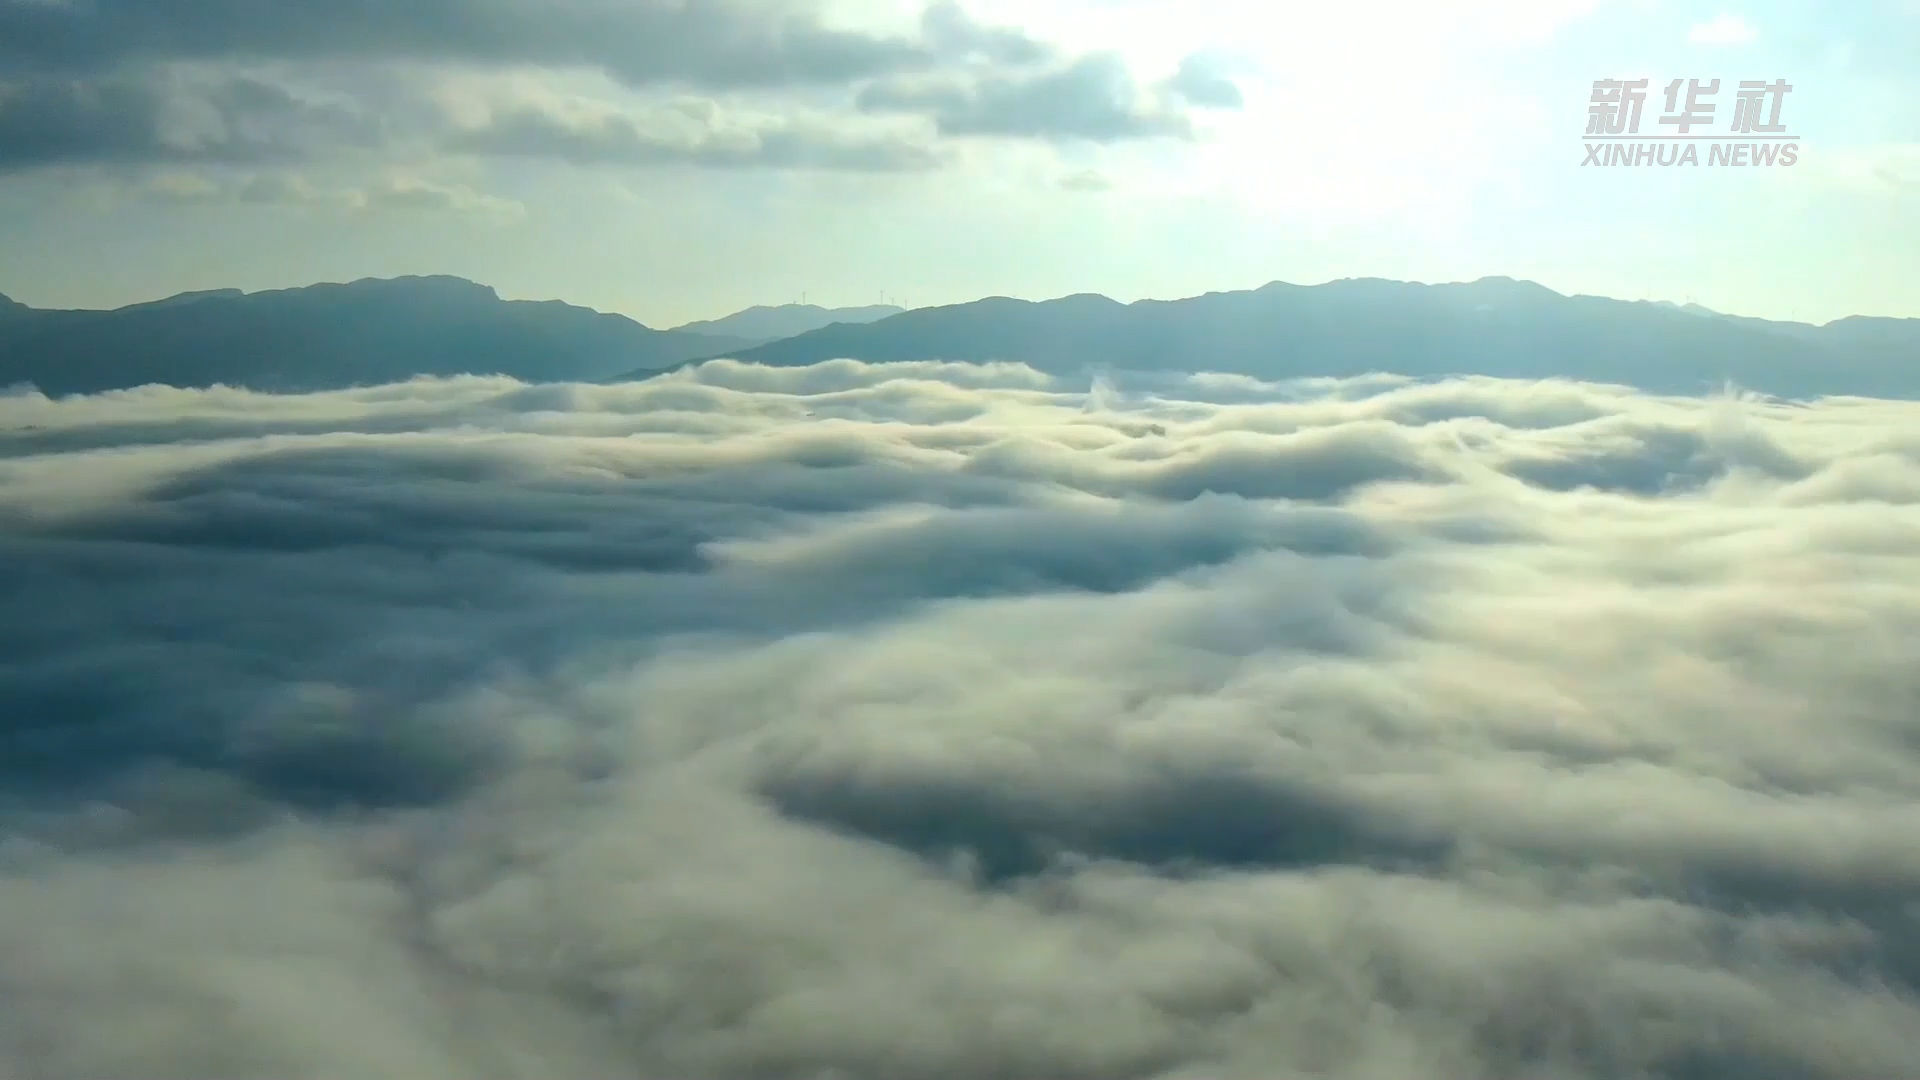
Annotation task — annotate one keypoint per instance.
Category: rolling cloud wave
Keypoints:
(949, 721)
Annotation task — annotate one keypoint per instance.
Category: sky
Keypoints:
(675, 161)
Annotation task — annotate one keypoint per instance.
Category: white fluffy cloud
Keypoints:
(934, 720)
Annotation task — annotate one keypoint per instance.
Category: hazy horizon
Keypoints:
(671, 167)
(661, 324)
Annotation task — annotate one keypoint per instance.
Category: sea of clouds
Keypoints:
(929, 722)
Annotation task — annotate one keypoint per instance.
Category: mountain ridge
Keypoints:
(330, 335)
(1496, 326)
(764, 322)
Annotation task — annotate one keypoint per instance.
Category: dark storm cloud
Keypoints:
(711, 43)
(160, 119)
(942, 721)
(616, 139)
(95, 82)
(1093, 98)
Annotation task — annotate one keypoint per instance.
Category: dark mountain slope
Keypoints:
(330, 336)
(1495, 326)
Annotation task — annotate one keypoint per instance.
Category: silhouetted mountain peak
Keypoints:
(1514, 288)
(986, 305)
(762, 310)
(180, 299)
(762, 322)
(1883, 322)
(1366, 284)
(1087, 301)
(1689, 308)
(1356, 326)
(421, 287)
(364, 332)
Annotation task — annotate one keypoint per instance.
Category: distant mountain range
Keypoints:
(762, 324)
(375, 331)
(329, 336)
(1356, 326)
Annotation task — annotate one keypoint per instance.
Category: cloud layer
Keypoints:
(779, 84)
(947, 721)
